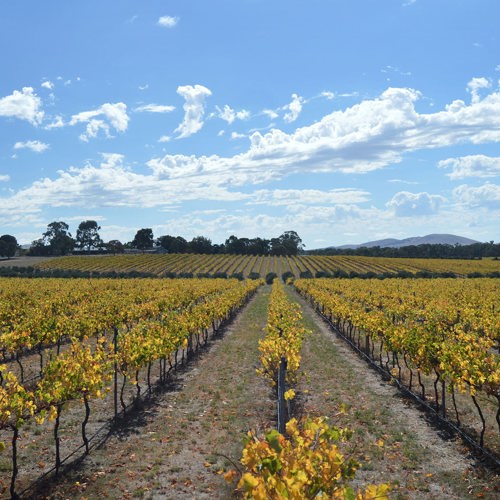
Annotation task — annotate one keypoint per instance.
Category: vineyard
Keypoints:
(65, 342)
(189, 265)
(439, 337)
(81, 357)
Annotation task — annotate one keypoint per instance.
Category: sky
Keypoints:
(344, 120)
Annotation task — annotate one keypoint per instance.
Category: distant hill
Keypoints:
(430, 239)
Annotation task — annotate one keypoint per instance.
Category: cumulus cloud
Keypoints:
(167, 21)
(367, 136)
(487, 195)
(36, 146)
(294, 108)
(406, 204)
(24, 105)
(47, 84)
(111, 183)
(4, 178)
(115, 115)
(194, 109)
(154, 108)
(472, 166)
(475, 85)
(57, 122)
(229, 115)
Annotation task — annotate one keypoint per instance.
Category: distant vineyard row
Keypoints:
(186, 265)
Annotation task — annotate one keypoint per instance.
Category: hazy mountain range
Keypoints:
(432, 239)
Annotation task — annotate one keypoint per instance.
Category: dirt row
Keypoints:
(182, 440)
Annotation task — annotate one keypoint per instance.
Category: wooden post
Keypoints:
(281, 396)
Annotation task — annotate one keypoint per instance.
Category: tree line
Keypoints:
(423, 251)
(57, 240)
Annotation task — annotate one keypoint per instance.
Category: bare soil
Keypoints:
(179, 441)
(22, 261)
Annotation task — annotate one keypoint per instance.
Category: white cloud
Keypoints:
(288, 197)
(270, 113)
(229, 115)
(327, 95)
(154, 108)
(407, 204)
(402, 181)
(58, 122)
(348, 94)
(236, 135)
(168, 21)
(115, 114)
(394, 70)
(369, 135)
(24, 105)
(93, 128)
(112, 184)
(364, 137)
(487, 195)
(165, 138)
(294, 108)
(472, 166)
(79, 218)
(475, 85)
(194, 109)
(47, 84)
(36, 146)
(4, 178)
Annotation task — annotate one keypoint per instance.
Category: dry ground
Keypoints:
(181, 440)
(22, 261)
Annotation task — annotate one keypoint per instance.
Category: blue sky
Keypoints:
(344, 120)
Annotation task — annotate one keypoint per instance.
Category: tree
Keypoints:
(289, 243)
(114, 246)
(38, 248)
(143, 239)
(58, 238)
(235, 245)
(259, 246)
(200, 244)
(87, 236)
(246, 246)
(173, 244)
(8, 246)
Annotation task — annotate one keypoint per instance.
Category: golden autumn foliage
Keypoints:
(305, 465)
